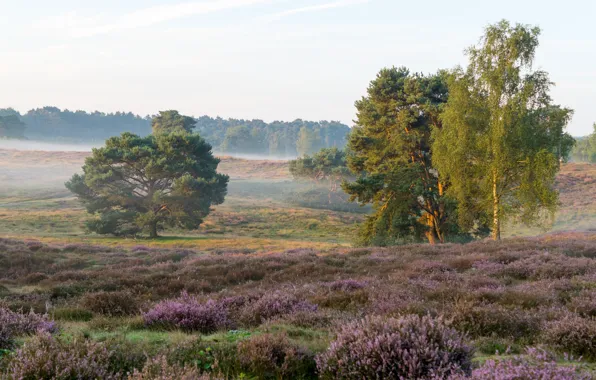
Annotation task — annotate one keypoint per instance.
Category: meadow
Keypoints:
(271, 288)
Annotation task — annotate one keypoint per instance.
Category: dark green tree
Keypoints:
(12, 127)
(171, 121)
(502, 139)
(328, 166)
(391, 155)
(136, 184)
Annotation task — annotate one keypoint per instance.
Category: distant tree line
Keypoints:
(585, 148)
(278, 138)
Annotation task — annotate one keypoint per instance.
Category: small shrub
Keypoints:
(346, 285)
(530, 367)
(488, 320)
(188, 313)
(47, 358)
(275, 357)
(584, 304)
(274, 304)
(572, 334)
(14, 324)
(159, 369)
(411, 347)
(113, 304)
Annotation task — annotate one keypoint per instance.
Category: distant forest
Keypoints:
(278, 138)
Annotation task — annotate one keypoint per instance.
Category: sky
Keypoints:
(267, 59)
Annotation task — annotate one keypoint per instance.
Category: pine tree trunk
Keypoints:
(153, 230)
(430, 234)
(496, 209)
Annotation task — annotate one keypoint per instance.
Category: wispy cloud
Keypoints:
(313, 8)
(79, 26)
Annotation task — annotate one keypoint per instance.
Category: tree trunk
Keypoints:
(496, 209)
(153, 230)
(430, 234)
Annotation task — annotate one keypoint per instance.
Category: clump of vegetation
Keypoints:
(13, 324)
(537, 364)
(158, 368)
(113, 304)
(411, 347)
(275, 357)
(573, 334)
(188, 313)
(45, 357)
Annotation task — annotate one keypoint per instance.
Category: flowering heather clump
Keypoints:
(159, 369)
(572, 334)
(47, 358)
(14, 324)
(536, 366)
(411, 347)
(188, 313)
(274, 304)
(275, 357)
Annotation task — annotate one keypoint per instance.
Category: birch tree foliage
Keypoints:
(501, 137)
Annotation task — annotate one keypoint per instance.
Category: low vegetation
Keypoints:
(298, 312)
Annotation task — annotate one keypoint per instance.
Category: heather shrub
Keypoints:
(274, 304)
(14, 324)
(112, 304)
(189, 314)
(536, 365)
(275, 357)
(47, 358)
(573, 334)
(584, 304)
(489, 319)
(410, 347)
(159, 369)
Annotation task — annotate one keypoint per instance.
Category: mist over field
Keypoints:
(25, 145)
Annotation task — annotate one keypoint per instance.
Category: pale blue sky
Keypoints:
(268, 59)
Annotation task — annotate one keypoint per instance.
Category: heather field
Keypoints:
(270, 287)
(525, 305)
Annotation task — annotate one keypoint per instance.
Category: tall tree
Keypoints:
(501, 136)
(170, 121)
(390, 153)
(136, 184)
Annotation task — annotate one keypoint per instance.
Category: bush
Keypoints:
(112, 304)
(14, 324)
(159, 369)
(572, 334)
(189, 314)
(488, 320)
(274, 304)
(275, 357)
(47, 358)
(530, 367)
(410, 347)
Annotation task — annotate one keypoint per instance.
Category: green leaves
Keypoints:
(136, 184)
(502, 138)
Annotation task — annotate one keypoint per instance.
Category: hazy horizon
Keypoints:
(266, 59)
